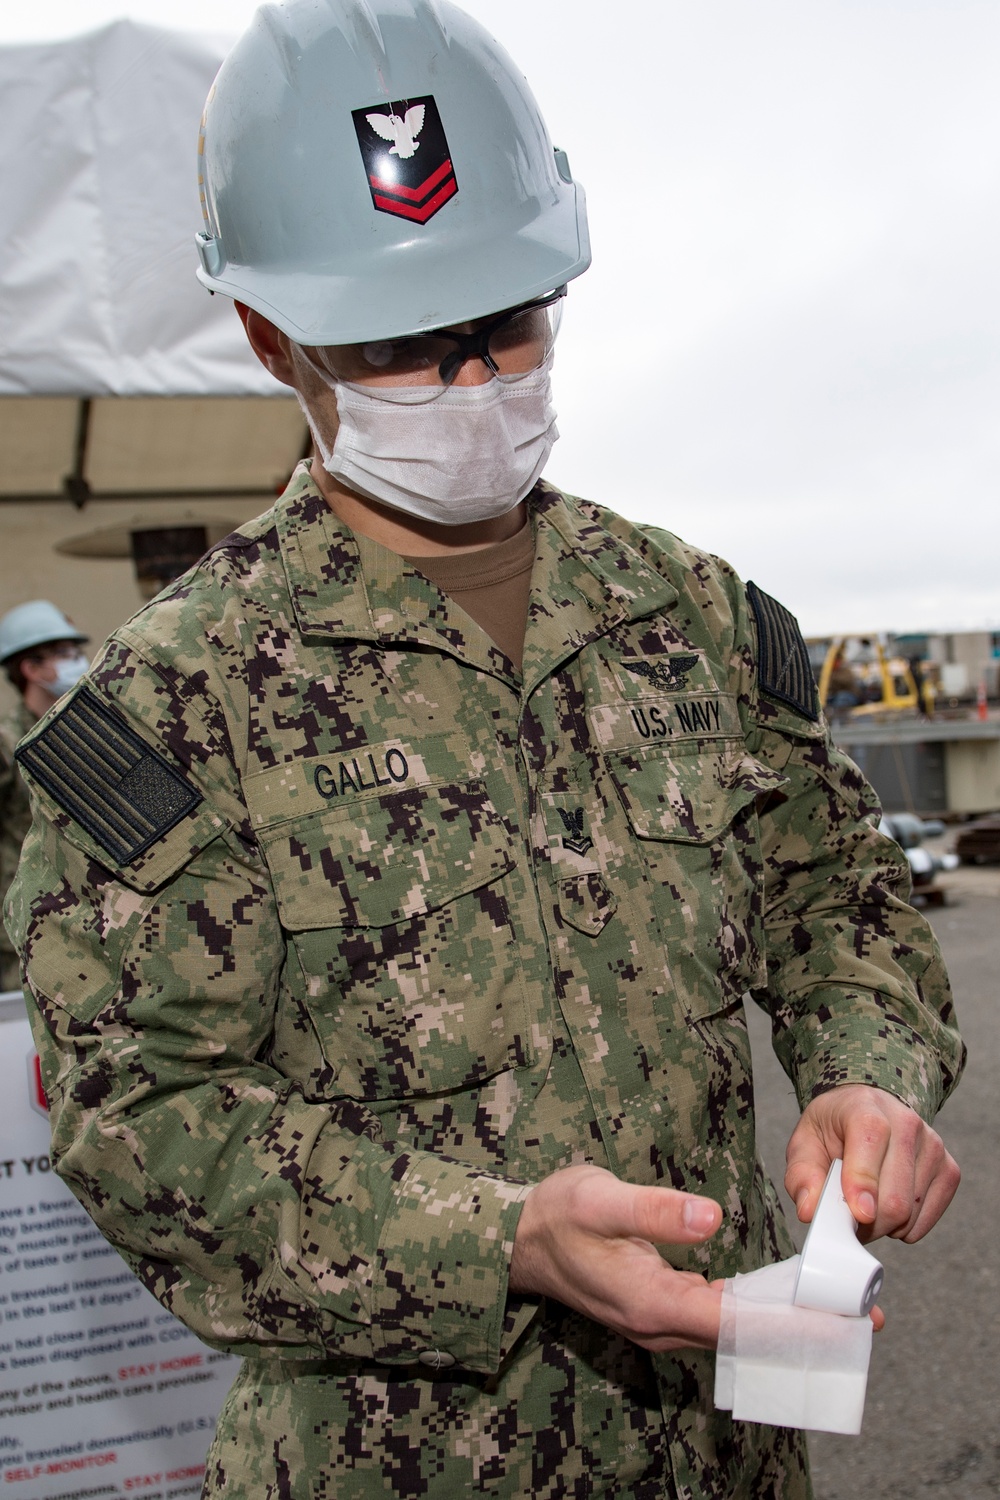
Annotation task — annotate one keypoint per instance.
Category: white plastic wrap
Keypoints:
(99, 208)
(785, 1365)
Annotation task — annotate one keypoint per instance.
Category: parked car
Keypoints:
(979, 842)
(910, 832)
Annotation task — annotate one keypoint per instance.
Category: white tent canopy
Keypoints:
(99, 209)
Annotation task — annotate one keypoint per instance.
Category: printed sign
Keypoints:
(102, 1392)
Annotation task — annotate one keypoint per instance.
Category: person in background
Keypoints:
(414, 852)
(844, 690)
(40, 652)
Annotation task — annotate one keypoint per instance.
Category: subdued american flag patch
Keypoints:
(124, 793)
(783, 665)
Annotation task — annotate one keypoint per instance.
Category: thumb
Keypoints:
(667, 1217)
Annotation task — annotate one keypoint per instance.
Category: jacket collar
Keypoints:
(590, 574)
(322, 564)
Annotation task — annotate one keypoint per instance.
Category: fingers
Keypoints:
(600, 1203)
(879, 1163)
(588, 1240)
(808, 1160)
(816, 1141)
(686, 1318)
(936, 1181)
(650, 1303)
(898, 1179)
(590, 1203)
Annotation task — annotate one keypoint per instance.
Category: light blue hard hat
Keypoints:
(34, 624)
(373, 168)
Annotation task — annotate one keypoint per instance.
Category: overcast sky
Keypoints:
(788, 346)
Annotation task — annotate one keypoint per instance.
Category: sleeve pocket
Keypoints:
(688, 798)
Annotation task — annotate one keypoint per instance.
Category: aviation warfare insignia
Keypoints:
(574, 839)
(670, 674)
(406, 156)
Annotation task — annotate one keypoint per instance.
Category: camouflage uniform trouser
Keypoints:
(576, 1413)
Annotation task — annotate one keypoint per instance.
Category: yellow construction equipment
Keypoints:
(862, 675)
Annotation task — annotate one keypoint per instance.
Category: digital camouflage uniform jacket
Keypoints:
(340, 934)
(15, 820)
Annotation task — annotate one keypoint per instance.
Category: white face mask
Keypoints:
(69, 670)
(471, 454)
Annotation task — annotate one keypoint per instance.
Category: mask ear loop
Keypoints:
(307, 367)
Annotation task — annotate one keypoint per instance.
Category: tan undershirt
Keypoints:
(491, 585)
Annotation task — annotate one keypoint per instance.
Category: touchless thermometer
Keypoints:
(836, 1273)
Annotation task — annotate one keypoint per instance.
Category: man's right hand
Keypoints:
(589, 1240)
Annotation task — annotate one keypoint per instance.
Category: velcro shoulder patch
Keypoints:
(783, 665)
(94, 766)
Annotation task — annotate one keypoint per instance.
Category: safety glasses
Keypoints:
(420, 367)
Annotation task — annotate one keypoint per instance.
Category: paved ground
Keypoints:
(932, 1419)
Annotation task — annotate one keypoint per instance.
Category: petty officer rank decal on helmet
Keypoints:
(406, 156)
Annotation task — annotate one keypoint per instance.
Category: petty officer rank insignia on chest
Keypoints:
(406, 157)
(575, 839)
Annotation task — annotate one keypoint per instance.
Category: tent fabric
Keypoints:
(99, 209)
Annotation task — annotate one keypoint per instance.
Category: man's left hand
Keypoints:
(898, 1178)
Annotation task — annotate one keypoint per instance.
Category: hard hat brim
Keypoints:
(45, 635)
(457, 283)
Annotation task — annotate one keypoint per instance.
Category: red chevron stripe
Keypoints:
(422, 214)
(414, 195)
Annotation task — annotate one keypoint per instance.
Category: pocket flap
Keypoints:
(690, 798)
(587, 903)
(391, 859)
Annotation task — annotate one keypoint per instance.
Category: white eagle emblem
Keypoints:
(403, 133)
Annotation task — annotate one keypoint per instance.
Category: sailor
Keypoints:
(422, 842)
(40, 653)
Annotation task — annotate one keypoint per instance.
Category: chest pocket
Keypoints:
(398, 914)
(693, 810)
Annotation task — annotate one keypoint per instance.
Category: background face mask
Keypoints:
(469, 455)
(69, 670)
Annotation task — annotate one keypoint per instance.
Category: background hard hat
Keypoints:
(34, 624)
(292, 226)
